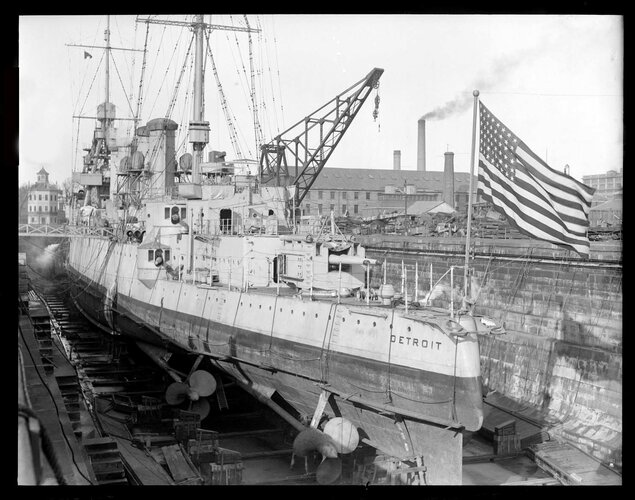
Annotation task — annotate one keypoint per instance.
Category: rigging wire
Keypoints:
(131, 92)
(137, 115)
(258, 136)
(156, 57)
(224, 104)
(275, 43)
(122, 86)
(272, 90)
(153, 153)
(261, 80)
(246, 144)
(186, 105)
(167, 70)
(91, 84)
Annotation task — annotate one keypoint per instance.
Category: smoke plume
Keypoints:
(45, 259)
(501, 70)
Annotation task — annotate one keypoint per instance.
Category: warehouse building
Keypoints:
(607, 185)
(365, 192)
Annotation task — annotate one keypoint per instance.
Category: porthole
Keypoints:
(409, 328)
(291, 311)
(358, 322)
(316, 315)
(270, 308)
(343, 320)
(281, 309)
(303, 313)
(374, 324)
(259, 306)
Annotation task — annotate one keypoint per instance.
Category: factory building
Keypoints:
(607, 185)
(365, 192)
(607, 203)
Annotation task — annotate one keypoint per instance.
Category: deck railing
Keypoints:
(63, 230)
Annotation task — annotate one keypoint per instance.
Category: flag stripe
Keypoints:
(568, 211)
(581, 249)
(562, 202)
(525, 224)
(528, 195)
(549, 176)
(539, 164)
(536, 199)
(530, 212)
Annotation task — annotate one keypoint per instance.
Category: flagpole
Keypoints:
(469, 202)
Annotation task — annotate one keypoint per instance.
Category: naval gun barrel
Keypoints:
(351, 259)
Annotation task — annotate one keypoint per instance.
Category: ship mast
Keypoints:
(199, 128)
(107, 73)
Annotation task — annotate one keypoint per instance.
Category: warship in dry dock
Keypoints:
(219, 264)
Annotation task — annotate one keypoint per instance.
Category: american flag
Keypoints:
(536, 199)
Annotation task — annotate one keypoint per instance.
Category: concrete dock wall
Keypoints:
(562, 352)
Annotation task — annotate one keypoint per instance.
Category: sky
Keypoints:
(555, 80)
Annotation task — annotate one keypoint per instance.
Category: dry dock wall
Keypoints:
(562, 353)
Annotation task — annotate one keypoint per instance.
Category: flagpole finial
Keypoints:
(475, 93)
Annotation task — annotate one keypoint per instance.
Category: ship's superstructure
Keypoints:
(218, 263)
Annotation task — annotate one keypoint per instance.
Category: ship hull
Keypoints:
(297, 371)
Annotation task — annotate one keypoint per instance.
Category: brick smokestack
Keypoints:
(448, 179)
(396, 160)
(421, 145)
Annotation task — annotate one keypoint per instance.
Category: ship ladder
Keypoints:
(333, 335)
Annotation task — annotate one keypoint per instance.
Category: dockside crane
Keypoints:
(297, 156)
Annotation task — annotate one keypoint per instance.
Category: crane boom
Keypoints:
(314, 139)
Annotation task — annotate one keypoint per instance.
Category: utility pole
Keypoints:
(405, 208)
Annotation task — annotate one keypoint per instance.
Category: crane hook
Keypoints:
(376, 110)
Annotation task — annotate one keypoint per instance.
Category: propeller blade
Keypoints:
(201, 407)
(176, 393)
(329, 471)
(203, 383)
(343, 433)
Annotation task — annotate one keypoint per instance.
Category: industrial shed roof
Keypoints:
(369, 179)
